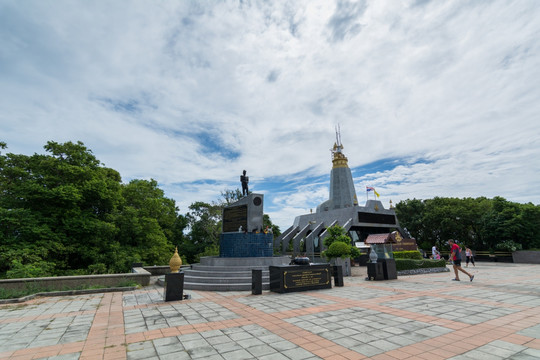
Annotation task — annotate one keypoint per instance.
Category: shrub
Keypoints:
(355, 252)
(36, 269)
(336, 234)
(338, 249)
(411, 264)
(508, 245)
(415, 254)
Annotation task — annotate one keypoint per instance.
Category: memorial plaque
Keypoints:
(234, 217)
(290, 278)
(306, 277)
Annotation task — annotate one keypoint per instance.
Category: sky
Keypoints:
(432, 98)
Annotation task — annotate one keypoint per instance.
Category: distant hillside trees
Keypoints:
(480, 223)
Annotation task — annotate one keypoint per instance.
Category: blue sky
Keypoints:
(434, 98)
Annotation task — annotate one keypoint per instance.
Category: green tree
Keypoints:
(481, 223)
(267, 222)
(54, 208)
(65, 213)
(204, 224)
(229, 197)
(410, 214)
(147, 224)
(336, 233)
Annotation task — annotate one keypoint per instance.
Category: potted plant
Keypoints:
(339, 250)
(339, 253)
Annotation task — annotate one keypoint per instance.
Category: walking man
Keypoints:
(455, 256)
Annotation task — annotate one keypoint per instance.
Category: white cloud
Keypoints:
(186, 91)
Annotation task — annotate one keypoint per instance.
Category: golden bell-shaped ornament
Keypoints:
(175, 262)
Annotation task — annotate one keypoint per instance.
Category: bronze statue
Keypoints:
(244, 180)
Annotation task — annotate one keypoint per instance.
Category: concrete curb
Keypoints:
(423, 271)
(66, 293)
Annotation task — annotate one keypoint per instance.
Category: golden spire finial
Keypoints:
(338, 158)
(175, 261)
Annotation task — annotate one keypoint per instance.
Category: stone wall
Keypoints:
(139, 276)
(526, 257)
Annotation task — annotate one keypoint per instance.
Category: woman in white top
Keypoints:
(470, 257)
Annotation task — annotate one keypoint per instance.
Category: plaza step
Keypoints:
(229, 274)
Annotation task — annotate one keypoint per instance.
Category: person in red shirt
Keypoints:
(455, 256)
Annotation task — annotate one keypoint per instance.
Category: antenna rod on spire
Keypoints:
(338, 135)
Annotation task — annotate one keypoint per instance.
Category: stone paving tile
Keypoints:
(365, 331)
(415, 286)
(273, 302)
(151, 295)
(499, 350)
(356, 293)
(533, 331)
(469, 313)
(499, 296)
(159, 317)
(73, 356)
(64, 304)
(29, 334)
(245, 342)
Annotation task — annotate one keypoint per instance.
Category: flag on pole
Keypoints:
(369, 188)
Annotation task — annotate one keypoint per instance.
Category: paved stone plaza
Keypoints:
(415, 317)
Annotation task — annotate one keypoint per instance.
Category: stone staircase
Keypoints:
(223, 278)
(229, 274)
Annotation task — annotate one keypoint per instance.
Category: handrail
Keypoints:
(482, 253)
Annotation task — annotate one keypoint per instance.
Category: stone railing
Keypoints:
(139, 276)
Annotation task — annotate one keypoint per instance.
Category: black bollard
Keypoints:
(338, 275)
(256, 282)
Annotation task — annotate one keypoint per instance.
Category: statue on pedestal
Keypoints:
(244, 180)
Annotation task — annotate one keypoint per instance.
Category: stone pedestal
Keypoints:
(174, 286)
(389, 268)
(345, 265)
(375, 271)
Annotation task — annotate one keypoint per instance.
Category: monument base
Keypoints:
(238, 244)
(215, 273)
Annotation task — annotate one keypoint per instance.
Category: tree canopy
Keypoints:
(65, 213)
(480, 223)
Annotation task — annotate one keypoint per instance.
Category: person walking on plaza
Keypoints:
(470, 257)
(455, 256)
